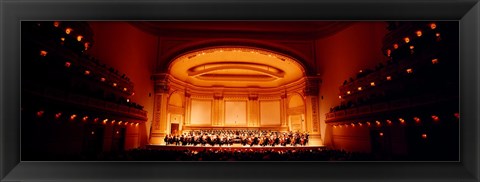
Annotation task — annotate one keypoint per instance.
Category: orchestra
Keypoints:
(244, 137)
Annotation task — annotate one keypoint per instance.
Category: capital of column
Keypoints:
(161, 81)
(312, 85)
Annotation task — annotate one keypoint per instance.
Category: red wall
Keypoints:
(341, 56)
(132, 52)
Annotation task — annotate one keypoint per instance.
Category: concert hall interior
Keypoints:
(240, 90)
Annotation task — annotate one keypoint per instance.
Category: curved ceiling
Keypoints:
(236, 67)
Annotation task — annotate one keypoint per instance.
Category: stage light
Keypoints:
(102, 79)
(372, 84)
(79, 38)
(406, 39)
(43, 53)
(87, 72)
(68, 30)
(56, 24)
(395, 46)
(434, 61)
(409, 70)
(435, 118)
(40, 113)
(389, 78)
(68, 64)
(433, 26)
(419, 33)
(417, 119)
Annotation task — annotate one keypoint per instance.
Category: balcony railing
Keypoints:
(387, 106)
(81, 100)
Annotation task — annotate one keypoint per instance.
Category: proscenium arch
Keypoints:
(236, 67)
(174, 53)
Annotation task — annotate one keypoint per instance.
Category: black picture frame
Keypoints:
(12, 12)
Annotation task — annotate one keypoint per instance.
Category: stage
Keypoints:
(233, 147)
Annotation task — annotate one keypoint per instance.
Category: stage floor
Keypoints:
(232, 147)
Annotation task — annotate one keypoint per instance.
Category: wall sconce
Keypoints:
(434, 61)
(87, 72)
(389, 78)
(433, 26)
(359, 88)
(56, 24)
(409, 70)
(406, 39)
(43, 53)
(68, 30)
(372, 84)
(419, 33)
(395, 46)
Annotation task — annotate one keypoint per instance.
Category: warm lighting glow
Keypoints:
(56, 24)
(457, 115)
(395, 46)
(102, 79)
(360, 71)
(117, 132)
(409, 70)
(339, 96)
(419, 33)
(72, 117)
(378, 123)
(136, 125)
(62, 39)
(87, 45)
(128, 100)
(133, 93)
(368, 123)
(406, 39)
(389, 122)
(105, 121)
(435, 118)
(58, 115)
(79, 38)
(360, 124)
(412, 47)
(389, 52)
(381, 134)
(334, 126)
(348, 92)
(359, 88)
(43, 53)
(353, 124)
(40, 113)
(131, 124)
(402, 121)
(126, 123)
(434, 61)
(437, 34)
(114, 84)
(87, 72)
(389, 78)
(95, 120)
(68, 30)
(433, 26)
(424, 136)
(124, 89)
(67, 64)
(113, 122)
(93, 132)
(372, 84)
(417, 119)
(85, 118)
(120, 122)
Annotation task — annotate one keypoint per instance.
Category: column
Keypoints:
(312, 120)
(159, 125)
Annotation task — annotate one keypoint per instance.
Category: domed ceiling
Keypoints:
(236, 67)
